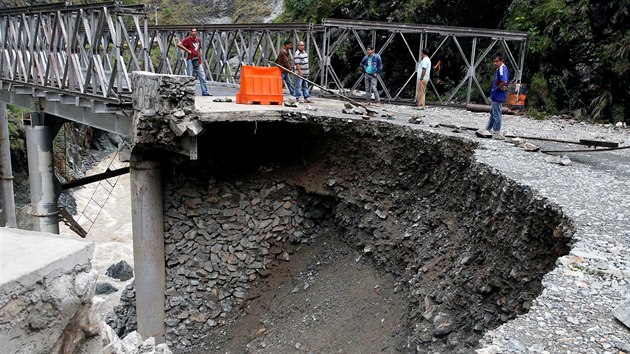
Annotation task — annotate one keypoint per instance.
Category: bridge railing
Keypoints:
(227, 47)
(80, 50)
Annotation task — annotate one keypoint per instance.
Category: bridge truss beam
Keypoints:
(384, 35)
(226, 48)
(86, 50)
(89, 51)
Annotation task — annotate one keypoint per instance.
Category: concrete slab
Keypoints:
(232, 111)
(28, 256)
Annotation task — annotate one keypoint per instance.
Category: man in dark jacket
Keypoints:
(371, 66)
(284, 61)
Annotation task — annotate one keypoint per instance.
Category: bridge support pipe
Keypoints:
(41, 176)
(148, 247)
(6, 172)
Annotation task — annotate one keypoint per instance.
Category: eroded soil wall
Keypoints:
(468, 246)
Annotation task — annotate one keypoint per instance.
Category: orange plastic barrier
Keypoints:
(260, 85)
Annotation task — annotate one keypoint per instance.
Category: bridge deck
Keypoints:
(211, 111)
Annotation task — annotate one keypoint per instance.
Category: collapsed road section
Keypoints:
(467, 246)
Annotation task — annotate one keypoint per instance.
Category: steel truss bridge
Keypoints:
(74, 61)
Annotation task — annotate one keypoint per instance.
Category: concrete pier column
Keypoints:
(148, 246)
(6, 172)
(39, 146)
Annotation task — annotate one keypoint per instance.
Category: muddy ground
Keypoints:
(328, 299)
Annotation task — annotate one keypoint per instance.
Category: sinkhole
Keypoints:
(334, 235)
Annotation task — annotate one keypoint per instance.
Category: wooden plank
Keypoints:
(67, 219)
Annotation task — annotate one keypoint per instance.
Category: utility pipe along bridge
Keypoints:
(76, 63)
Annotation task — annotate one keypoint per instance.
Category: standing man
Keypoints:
(283, 60)
(301, 67)
(191, 45)
(424, 73)
(371, 65)
(498, 93)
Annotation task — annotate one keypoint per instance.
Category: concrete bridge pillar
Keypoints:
(148, 246)
(39, 146)
(6, 173)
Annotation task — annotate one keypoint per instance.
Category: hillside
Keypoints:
(177, 12)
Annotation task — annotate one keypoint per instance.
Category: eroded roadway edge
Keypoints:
(576, 310)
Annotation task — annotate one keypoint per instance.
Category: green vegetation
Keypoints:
(315, 10)
(578, 56)
(246, 11)
(174, 12)
(16, 132)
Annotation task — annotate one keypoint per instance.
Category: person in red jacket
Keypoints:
(191, 45)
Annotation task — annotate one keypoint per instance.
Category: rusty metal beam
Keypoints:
(95, 178)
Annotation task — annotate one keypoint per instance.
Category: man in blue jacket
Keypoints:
(372, 66)
(498, 93)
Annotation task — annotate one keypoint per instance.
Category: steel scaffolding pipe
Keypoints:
(41, 175)
(6, 172)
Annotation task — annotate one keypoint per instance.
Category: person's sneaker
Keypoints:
(307, 101)
(206, 94)
(378, 104)
(483, 133)
(497, 136)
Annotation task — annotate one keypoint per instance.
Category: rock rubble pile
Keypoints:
(221, 237)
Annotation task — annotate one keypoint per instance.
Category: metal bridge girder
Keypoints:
(90, 50)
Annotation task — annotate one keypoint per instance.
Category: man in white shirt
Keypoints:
(424, 73)
(301, 67)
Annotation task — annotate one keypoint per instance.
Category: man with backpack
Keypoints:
(498, 94)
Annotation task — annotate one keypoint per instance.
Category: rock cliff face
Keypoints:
(469, 245)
